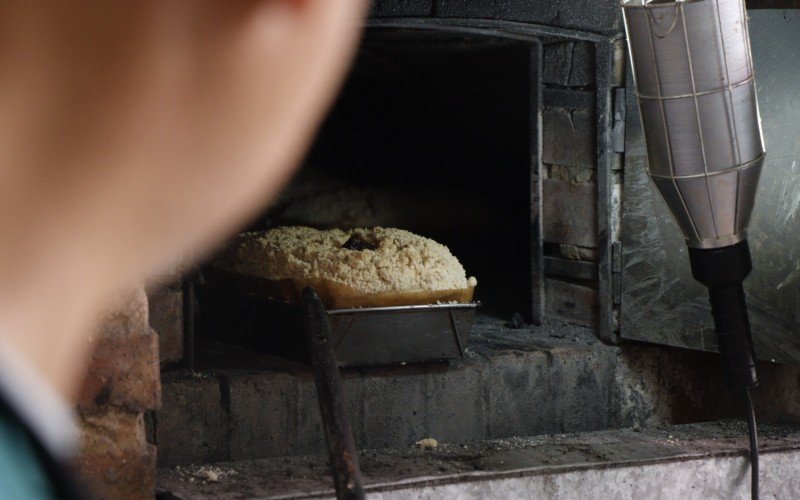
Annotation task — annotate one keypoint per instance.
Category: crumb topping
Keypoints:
(376, 260)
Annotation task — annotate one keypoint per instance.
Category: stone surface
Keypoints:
(166, 318)
(595, 16)
(528, 381)
(574, 252)
(262, 410)
(111, 431)
(557, 267)
(571, 175)
(401, 8)
(692, 461)
(123, 369)
(115, 460)
(130, 476)
(569, 213)
(123, 372)
(569, 137)
(123, 380)
(776, 398)
(457, 394)
(203, 426)
(574, 303)
(653, 386)
(397, 408)
(568, 64)
(601, 16)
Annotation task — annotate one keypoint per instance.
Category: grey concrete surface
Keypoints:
(569, 137)
(536, 380)
(598, 16)
(690, 461)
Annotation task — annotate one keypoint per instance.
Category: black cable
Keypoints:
(722, 271)
(751, 425)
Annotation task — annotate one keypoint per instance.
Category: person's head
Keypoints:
(136, 131)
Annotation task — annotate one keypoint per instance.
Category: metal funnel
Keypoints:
(695, 84)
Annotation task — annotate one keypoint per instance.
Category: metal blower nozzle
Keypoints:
(694, 78)
(695, 84)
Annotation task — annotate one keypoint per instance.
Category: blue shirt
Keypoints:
(22, 471)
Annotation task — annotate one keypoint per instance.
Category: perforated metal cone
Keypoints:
(695, 85)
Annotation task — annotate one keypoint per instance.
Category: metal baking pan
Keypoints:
(361, 337)
(386, 335)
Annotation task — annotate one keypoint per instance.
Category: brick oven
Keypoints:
(116, 460)
(487, 126)
(496, 127)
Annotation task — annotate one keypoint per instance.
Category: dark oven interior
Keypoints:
(434, 132)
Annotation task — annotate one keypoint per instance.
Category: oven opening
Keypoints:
(432, 133)
(436, 133)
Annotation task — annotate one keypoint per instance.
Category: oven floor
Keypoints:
(688, 461)
(243, 405)
(489, 336)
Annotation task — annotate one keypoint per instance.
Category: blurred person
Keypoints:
(133, 132)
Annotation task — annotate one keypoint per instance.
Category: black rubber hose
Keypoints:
(723, 270)
(732, 327)
(751, 427)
